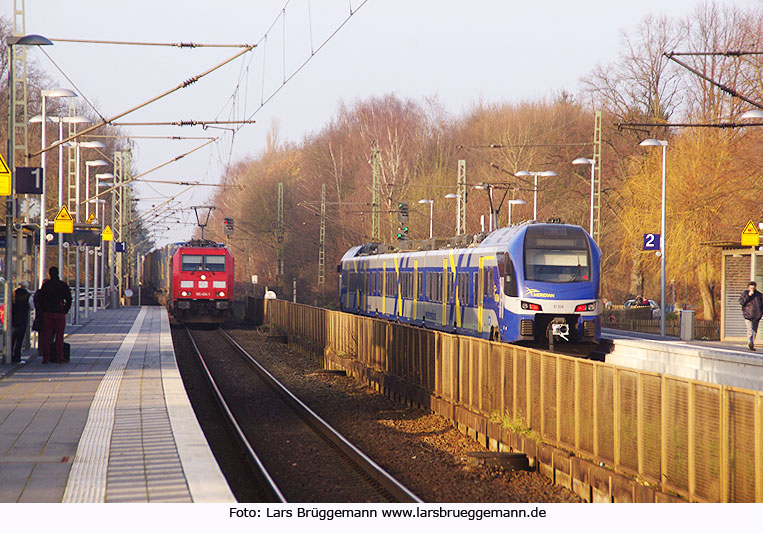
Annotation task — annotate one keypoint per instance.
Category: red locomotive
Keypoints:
(194, 280)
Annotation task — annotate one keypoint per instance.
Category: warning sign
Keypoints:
(107, 234)
(750, 236)
(6, 187)
(91, 218)
(63, 223)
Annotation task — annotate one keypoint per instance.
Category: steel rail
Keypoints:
(268, 483)
(368, 465)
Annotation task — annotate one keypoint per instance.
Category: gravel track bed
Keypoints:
(422, 450)
(304, 466)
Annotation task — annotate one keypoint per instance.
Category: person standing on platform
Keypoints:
(751, 301)
(53, 300)
(19, 319)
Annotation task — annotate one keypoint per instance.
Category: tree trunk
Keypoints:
(707, 290)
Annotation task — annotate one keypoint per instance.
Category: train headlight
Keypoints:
(585, 307)
(203, 276)
(184, 293)
(221, 294)
(531, 307)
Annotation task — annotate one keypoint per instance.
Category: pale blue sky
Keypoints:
(461, 52)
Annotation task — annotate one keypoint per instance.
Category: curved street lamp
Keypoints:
(663, 246)
(518, 201)
(451, 196)
(431, 210)
(26, 40)
(754, 114)
(592, 162)
(535, 175)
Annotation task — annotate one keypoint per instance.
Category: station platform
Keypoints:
(112, 425)
(722, 363)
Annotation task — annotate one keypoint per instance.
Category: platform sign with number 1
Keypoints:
(651, 242)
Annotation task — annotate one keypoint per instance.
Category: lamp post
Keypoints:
(97, 250)
(98, 184)
(26, 40)
(431, 209)
(88, 164)
(514, 202)
(79, 145)
(70, 120)
(535, 175)
(453, 195)
(53, 93)
(663, 246)
(592, 162)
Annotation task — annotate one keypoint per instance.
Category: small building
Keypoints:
(737, 266)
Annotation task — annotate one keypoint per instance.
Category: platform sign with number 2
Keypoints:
(651, 242)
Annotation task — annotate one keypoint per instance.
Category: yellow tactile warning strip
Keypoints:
(142, 442)
(87, 479)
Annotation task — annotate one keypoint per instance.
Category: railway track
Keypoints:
(296, 455)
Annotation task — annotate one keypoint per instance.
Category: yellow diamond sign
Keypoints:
(5, 178)
(63, 223)
(107, 234)
(750, 236)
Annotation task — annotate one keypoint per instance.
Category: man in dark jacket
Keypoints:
(53, 300)
(751, 301)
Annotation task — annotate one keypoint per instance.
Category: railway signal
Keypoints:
(402, 211)
(402, 232)
(228, 226)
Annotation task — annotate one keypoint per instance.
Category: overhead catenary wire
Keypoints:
(104, 122)
(722, 87)
(137, 177)
(140, 43)
(264, 100)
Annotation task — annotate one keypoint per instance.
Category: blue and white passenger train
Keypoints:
(533, 282)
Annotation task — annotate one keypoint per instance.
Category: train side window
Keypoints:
(476, 289)
(450, 288)
(510, 280)
(421, 285)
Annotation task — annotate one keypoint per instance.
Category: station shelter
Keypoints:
(739, 266)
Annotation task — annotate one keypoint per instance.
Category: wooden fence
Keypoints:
(627, 320)
(701, 441)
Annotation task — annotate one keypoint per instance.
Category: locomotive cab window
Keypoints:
(190, 263)
(557, 254)
(214, 263)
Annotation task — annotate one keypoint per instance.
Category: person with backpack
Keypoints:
(751, 301)
(53, 300)
(19, 319)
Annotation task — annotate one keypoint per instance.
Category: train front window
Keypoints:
(215, 263)
(191, 263)
(557, 254)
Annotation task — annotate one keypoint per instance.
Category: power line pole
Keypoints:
(20, 125)
(280, 234)
(461, 191)
(376, 193)
(597, 178)
(322, 249)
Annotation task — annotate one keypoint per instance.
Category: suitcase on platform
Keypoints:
(67, 351)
